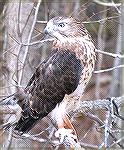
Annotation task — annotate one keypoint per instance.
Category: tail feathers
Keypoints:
(28, 120)
(24, 125)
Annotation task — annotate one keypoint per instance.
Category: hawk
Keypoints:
(59, 81)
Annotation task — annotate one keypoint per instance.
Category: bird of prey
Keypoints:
(59, 81)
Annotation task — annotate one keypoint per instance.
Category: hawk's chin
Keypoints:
(57, 35)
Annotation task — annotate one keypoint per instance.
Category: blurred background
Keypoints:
(22, 22)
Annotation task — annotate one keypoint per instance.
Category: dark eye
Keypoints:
(62, 24)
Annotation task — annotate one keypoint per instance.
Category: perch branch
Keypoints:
(100, 104)
(84, 106)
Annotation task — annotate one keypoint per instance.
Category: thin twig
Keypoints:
(101, 45)
(101, 20)
(118, 141)
(115, 140)
(106, 4)
(18, 20)
(41, 140)
(9, 139)
(107, 126)
(116, 62)
(109, 69)
(95, 118)
(14, 39)
(29, 39)
(26, 22)
(110, 54)
(100, 12)
(42, 22)
(116, 7)
(40, 42)
(89, 146)
(9, 49)
(33, 43)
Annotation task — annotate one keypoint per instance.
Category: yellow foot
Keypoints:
(67, 137)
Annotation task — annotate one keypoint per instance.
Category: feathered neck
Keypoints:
(76, 45)
(70, 42)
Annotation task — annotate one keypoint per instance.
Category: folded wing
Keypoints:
(58, 75)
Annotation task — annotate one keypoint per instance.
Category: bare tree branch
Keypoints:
(107, 4)
(100, 104)
(118, 141)
(109, 69)
(103, 104)
(29, 39)
(101, 45)
(42, 22)
(101, 20)
(110, 54)
(8, 140)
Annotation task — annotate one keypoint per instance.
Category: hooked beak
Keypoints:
(46, 31)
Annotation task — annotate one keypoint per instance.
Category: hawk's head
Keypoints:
(65, 27)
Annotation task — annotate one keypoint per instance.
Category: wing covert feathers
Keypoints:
(58, 75)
